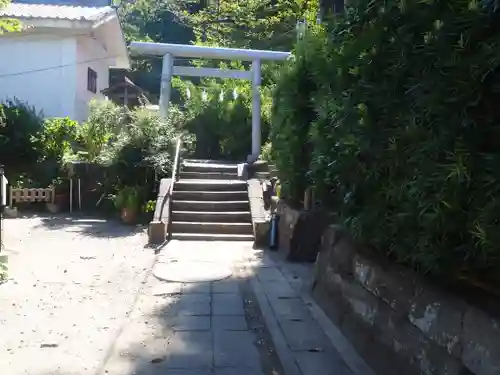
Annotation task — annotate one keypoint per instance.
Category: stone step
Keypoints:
(217, 228)
(208, 175)
(212, 217)
(211, 237)
(212, 196)
(209, 161)
(210, 185)
(178, 205)
(197, 167)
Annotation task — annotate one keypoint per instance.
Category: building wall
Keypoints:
(91, 53)
(39, 70)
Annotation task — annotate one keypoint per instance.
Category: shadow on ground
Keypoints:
(204, 328)
(89, 225)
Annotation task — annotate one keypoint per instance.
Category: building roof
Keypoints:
(61, 12)
(81, 3)
(98, 22)
(126, 82)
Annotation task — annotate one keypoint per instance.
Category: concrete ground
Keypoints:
(83, 299)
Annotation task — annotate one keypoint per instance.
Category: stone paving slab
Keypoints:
(229, 323)
(227, 304)
(235, 349)
(191, 323)
(191, 350)
(226, 286)
(237, 371)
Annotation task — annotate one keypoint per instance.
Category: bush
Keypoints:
(399, 106)
(146, 142)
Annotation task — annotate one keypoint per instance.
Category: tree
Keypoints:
(257, 24)
(7, 25)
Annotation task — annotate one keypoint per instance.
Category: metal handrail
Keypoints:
(175, 177)
(175, 169)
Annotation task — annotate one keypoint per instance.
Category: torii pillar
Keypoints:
(170, 51)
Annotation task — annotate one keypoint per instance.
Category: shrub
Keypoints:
(404, 137)
(292, 114)
(57, 137)
(105, 120)
(146, 141)
(266, 152)
(18, 143)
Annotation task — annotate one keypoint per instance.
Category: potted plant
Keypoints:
(127, 201)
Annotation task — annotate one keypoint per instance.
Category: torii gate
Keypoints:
(170, 51)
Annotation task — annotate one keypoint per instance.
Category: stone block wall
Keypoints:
(396, 320)
(157, 231)
(260, 217)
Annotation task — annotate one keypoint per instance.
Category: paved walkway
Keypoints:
(83, 299)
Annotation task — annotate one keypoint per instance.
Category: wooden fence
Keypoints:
(32, 195)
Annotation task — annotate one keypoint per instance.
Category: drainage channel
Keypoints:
(270, 362)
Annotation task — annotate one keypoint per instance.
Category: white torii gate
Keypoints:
(170, 51)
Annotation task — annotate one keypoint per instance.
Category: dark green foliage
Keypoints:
(405, 137)
(222, 128)
(19, 125)
(292, 114)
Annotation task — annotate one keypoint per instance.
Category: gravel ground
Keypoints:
(72, 284)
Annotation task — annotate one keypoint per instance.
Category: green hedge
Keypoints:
(404, 140)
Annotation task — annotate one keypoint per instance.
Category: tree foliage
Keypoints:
(8, 25)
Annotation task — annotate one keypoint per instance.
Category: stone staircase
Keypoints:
(210, 203)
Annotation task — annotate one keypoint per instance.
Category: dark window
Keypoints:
(92, 80)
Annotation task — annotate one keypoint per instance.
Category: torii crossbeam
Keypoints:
(170, 51)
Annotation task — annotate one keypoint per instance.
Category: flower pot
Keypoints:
(128, 215)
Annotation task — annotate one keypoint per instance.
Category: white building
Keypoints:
(61, 59)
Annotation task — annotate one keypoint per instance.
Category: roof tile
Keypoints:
(65, 12)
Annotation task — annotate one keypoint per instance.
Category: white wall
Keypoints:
(91, 53)
(39, 70)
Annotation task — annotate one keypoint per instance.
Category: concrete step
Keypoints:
(212, 196)
(208, 175)
(210, 185)
(212, 217)
(217, 228)
(205, 206)
(211, 237)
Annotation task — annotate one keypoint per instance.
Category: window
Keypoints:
(92, 80)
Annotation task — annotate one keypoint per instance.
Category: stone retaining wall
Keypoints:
(300, 232)
(396, 320)
(260, 218)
